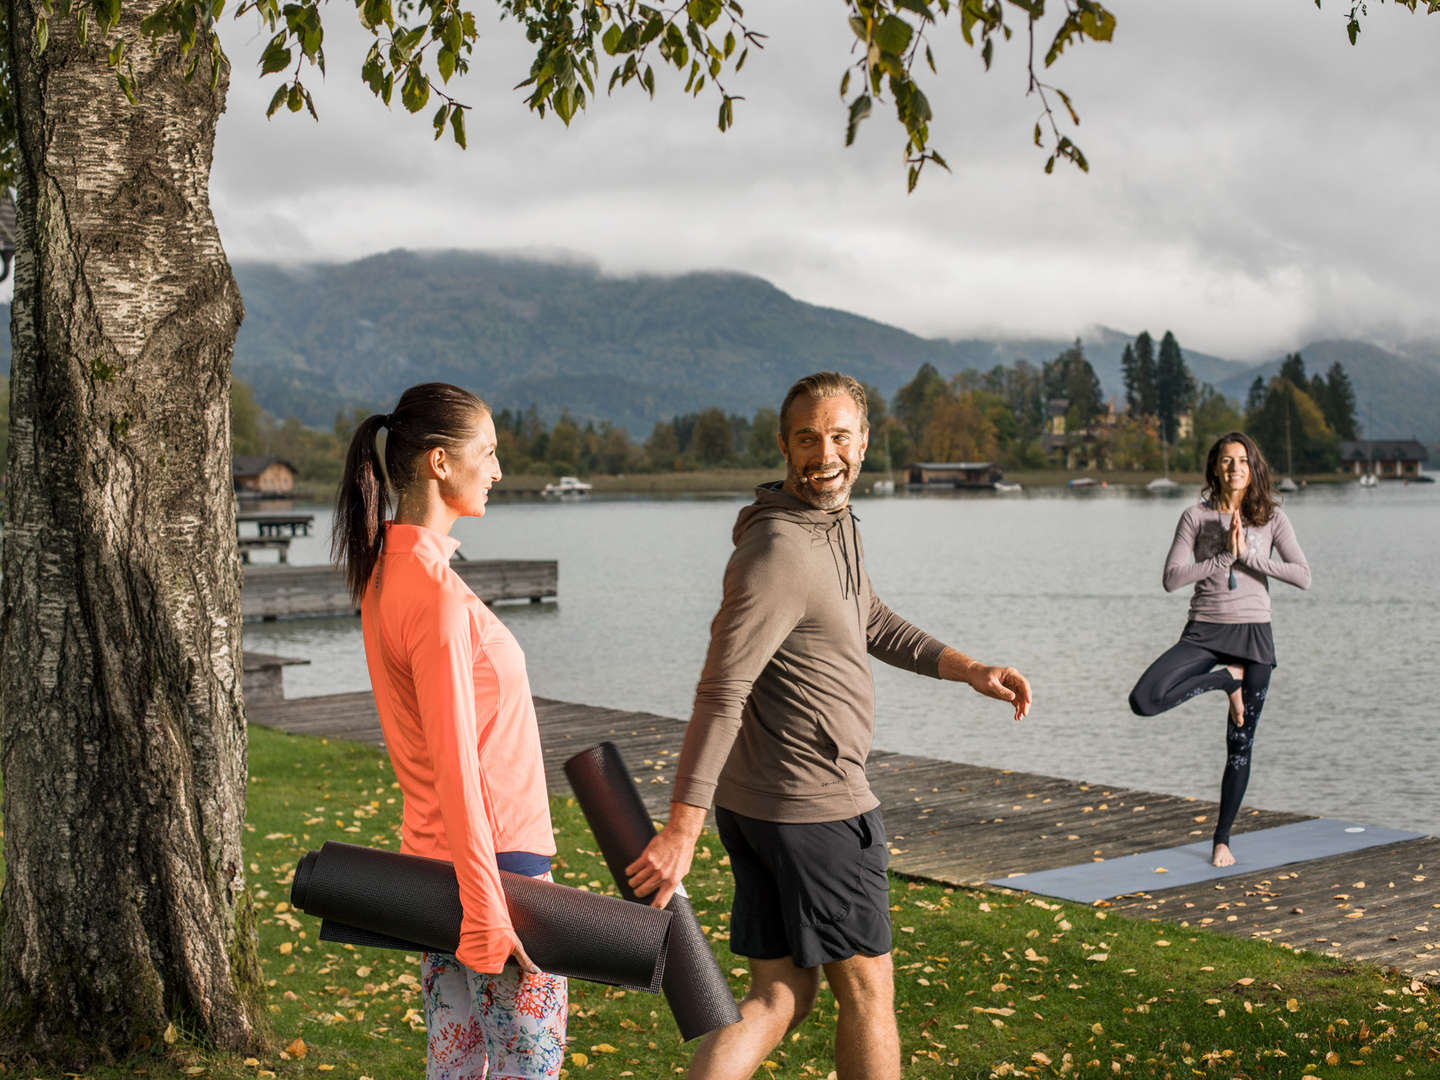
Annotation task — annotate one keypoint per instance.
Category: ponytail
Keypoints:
(427, 416)
(360, 505)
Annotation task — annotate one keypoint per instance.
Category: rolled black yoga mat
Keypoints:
(366, 896)
(695, 989)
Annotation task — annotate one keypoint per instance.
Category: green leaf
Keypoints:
(704, 12)
(415, 90)
(894, 34)
(741, 62)
(445, 61)
(919, 7)
(295, 101)
(611, 41)
(42, 36)
(117, 53)
(859, 110)
(457, 125)
(276, 101)
(275, 58)
(438, 121)
(107, 14)
(127, 86)
(1074, 116)
(564, 102)
(845, 83)
(860, 27)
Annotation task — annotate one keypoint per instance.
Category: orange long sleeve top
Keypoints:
(459, 723)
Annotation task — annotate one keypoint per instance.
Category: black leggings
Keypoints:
(1187, 669)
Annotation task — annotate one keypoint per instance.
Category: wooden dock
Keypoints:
(273, 592)
(966, 824)
(275, 523)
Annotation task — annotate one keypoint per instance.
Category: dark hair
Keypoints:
(824, 384)
(1257, 505)
(427, 416)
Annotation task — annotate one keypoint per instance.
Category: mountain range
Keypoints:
(318, 339)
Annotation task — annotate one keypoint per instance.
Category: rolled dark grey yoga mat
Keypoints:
(694, 986)
(367, 896)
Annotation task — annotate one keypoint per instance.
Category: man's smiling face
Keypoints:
(823, 450)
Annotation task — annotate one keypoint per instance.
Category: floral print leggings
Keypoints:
(491, 1027)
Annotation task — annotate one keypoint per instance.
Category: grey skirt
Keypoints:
(1251, 641)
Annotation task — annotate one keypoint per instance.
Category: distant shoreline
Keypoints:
(720, 481)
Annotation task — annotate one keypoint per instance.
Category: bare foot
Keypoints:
(1237, 707)
(1221, 856)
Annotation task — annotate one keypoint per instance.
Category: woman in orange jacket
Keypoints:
(455, 708)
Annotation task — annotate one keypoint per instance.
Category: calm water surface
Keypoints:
(1065, 586)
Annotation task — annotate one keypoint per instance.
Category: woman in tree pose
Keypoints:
(1228, 546)
(454, 703)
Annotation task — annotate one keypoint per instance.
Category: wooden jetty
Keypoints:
(276, 523)
(263, 676)
(966, 824)
(272, 592)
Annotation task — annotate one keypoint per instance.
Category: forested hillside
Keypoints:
(324, 339)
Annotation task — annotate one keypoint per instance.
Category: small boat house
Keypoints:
(953, 474)
(1393, 459)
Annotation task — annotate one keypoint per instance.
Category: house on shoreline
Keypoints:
(257, 476)
(953, 474)
(1388, 459)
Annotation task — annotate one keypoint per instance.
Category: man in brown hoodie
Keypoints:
(778, 739)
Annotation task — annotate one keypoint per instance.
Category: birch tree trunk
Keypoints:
(122, 739)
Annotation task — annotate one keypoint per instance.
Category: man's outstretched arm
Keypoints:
(1004, 683)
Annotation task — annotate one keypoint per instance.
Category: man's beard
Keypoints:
(830, 499)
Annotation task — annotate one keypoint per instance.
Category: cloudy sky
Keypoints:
(1255, 181)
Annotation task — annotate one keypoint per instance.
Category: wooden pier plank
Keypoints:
(271, 592)
(966, 824)
(1379, 904)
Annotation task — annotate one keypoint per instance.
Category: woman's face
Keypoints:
(466, 488)
(1233, 468)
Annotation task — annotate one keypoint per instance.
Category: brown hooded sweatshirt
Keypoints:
(785, 708)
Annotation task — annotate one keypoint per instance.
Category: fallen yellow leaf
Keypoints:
(171, 1034)
(579, 1059)
(297, 1049)
(1332, 1058)
(1291, 1005)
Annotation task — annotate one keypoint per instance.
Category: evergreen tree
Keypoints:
(1256, 397)
(1338, 402)
(1145, 373)
(1174, 387)
(1130, 366)
(1293, 371)
(1292, 431)
(1070, 376)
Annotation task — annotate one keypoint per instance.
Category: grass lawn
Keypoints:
(987, 984)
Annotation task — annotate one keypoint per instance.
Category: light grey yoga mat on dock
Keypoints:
(1169, 868)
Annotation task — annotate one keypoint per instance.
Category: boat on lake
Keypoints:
(567, 487)
(1162, 485)
(1007, 487)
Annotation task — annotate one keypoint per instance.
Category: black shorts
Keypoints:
(815, 892)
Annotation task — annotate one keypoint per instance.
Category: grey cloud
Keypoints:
(1253, 177)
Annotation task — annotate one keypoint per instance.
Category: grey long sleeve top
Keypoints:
(785, 708)
(1200, 555)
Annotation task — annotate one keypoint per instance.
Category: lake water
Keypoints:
(1063, 585)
